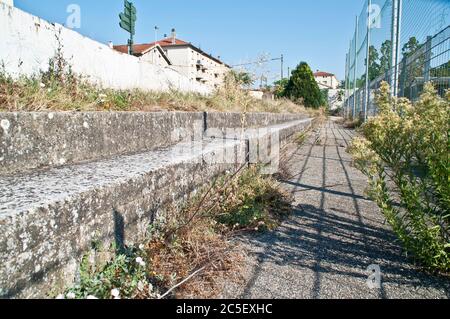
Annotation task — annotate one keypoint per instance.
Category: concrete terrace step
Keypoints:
(49, 218)
(33, 140)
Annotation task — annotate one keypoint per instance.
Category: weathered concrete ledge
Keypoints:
(49, 218)
(34, 140)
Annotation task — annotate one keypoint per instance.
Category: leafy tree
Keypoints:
(410, 47)
(242, 77)
(302, 85)
(413, 68)
(386, 56)
(280, 87)
(374, 67)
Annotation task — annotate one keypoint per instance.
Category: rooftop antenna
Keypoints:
(156, 40)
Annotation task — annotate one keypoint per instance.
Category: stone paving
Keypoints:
(335, 233)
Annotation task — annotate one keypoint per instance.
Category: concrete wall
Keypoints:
(8, 2)
(154, 56)
(32, 140)
(326, 82)
(39, 140)
(49, 216)
(28, 42)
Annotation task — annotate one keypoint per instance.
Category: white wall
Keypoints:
(28, 42)
(333, 99)
(8, 2)
(256, 94)
(185, 59)
(154, 56)
(326, 82)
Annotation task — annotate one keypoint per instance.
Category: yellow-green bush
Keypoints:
(404, 152)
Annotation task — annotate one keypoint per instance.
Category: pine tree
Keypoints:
(302, 85)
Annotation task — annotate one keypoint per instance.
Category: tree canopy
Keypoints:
(303, 86)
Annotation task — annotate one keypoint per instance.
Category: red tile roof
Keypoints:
(140, 48)
(168, 42)
(324, 74)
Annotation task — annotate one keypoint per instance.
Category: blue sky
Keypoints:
(315, 31)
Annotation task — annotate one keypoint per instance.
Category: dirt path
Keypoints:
(324, 249)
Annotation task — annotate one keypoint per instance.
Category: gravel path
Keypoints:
(324, 249)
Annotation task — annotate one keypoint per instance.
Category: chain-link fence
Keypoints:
(403, 42)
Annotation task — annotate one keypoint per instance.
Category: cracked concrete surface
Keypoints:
(335, 233)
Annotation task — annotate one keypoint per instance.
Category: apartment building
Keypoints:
(326, 80)
(185, 58)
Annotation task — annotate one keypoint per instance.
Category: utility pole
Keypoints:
(282, 66)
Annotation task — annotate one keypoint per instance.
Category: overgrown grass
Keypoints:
(192, 243)
(352, 124)
(63, 91)
(404, 153)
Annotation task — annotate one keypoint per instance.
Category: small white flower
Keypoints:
(61, 296)
(115, 293)
(140, 261)
(256, 229)
(102, 96)
(42, 85)
(141, 246)
(70, 295)
(91, 297)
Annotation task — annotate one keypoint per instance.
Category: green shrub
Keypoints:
(252, 201)
(404, 153)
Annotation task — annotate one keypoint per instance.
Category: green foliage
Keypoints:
(254, 202)
(125, 272)
(241, 77)
(185, 239)
(407, 146)
(374, 66)
(386, 56)
(302, 86)
(324, 93)
(280, 87)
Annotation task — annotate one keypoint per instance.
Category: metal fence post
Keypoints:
(367, 92)
(427, 67)
(395, 50)
(346, 86)
(356, 67)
